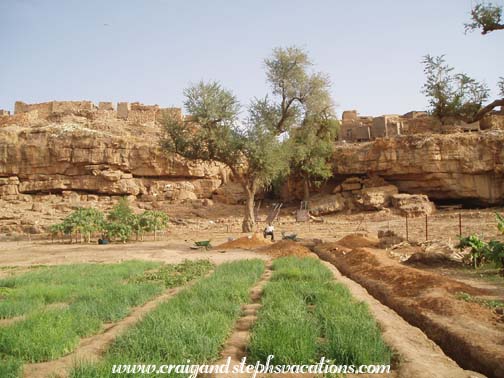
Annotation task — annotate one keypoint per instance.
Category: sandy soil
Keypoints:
(470, 334)
(26, 254)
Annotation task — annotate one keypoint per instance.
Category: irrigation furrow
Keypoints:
(236, 345)
(92, 348)
(419, 356)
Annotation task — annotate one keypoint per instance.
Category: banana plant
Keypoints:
(479, 249)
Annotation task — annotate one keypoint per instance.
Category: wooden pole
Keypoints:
(407, 231)
(460, 225)
(426, 228)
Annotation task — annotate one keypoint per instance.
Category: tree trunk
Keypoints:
(494, 27)
(306, 189)
(249, 224)
(487, 109)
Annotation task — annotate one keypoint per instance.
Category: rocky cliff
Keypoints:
(461, 166)
(116, 158)
(112, 157)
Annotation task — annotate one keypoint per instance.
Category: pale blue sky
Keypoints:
(150, 50)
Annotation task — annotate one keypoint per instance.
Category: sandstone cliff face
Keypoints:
(455, 166)
(76, 156)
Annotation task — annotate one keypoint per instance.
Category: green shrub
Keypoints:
(83, 221)
(120, 223)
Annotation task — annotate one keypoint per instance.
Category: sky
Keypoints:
(150, 50)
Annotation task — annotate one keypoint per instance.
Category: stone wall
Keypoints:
(355, 128)
(386, 126)
(21, 119)
(135, 113)
(43, 109)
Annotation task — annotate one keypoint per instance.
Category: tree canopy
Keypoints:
(296, 91)
(453, 95)
(312, 150)
(251, 149)
(486, 17)
(256, 149)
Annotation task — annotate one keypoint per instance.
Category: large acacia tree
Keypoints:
(256, 150)
(212, 132)
(300, 104)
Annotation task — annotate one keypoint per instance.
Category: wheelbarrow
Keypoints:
(202, 244)
(289, 236)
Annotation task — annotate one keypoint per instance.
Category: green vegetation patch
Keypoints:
(306, 315)
(177, 275)
(191, 326)
(10, 367)
(490, 303)
(62, 304)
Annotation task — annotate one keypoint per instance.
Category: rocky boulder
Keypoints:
(231, 193)
(327, 204)
(376, 198)
(412, 205)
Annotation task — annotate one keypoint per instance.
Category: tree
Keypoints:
(487, 17)
(454, 95)
(120, 221)
(255, 150)
(302, 106)
(151, 221)
(212, 132)
(83, 221)
(313, 146)
(296, 92)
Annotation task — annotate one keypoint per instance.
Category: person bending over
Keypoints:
(269, 230)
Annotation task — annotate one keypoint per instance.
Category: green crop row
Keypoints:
(61, 304)
(306, 315)
(191, 326)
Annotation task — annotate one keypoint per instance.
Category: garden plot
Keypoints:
(307, 315)
(47, 311)
(191, 326)
(468, 332)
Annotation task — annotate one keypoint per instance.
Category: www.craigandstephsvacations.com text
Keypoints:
(324, 366)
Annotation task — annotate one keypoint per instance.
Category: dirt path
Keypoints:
(236, 345)
(22, 255)
(93, 347)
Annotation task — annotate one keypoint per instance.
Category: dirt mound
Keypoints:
(286, 248)
(358, 241)
(247, 242)
(388, 239)
(404, 281)
(432, 259)
(468, 332)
